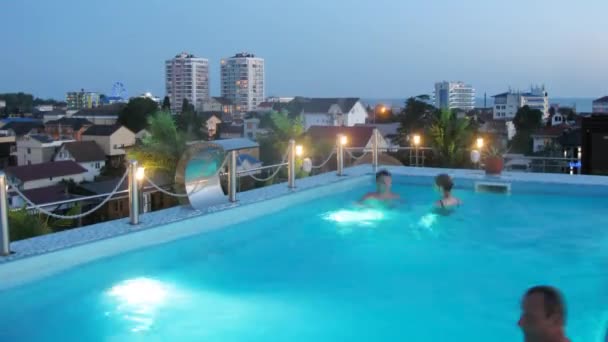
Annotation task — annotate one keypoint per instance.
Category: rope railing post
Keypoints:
(340, 154)
(291, 165)
(232, 177)
(133, 193)
(375, 151)
(4, 234)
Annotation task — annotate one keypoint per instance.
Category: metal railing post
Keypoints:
(133, 193)
(4, 234)
(375, 151)
(340, 155)
(579, 159)
(291, 165)
(232, 177)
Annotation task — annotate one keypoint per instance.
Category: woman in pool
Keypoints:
(445, 185)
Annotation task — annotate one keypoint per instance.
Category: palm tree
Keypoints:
(164, 146)
(450, 138)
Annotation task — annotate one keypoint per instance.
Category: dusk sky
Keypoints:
(371, 49)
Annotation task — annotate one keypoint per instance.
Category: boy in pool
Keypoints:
(384, 182)
(445, 184)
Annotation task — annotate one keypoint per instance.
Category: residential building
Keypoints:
(21, 126)
(211, 120)
(217, 104)
(37, 148)
(44, 108)
(390, 131)
(186, 77)
(547, 136)
(279, 99)
(357, 136)
(331, 111)
(507, 104)
(2, 104)
(252, 129)
(82, 99)
(243, 81)
(248, 156)
(67, 127)
(103, 115)
(42, 195)
(600, 106)
(45, 174)
(454, 95)
(594, 143)
(141, 135)
(230, 131)
(87, 154)
(7, 148)
(53, 115)
(265, 107)
(118, 206)
(113, 139)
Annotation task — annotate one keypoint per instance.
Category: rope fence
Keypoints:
(315, 167)
(274, 174)
(70, 217)
(350, 154)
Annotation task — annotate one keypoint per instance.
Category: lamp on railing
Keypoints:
(375, 150)
(291, 164)
(4, 230)
(479, 143)
(232, 176)
(342, 140)
(416, 140)
(136, 176)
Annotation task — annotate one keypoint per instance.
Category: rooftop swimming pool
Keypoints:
(325, 270)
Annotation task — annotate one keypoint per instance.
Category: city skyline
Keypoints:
(382, 50)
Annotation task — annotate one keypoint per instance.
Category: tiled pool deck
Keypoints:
(110, 238)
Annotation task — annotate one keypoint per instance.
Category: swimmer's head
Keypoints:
(444, 182)
(384, 180)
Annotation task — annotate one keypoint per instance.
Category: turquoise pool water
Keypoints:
(325, 271)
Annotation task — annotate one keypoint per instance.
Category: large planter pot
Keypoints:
(494, 165)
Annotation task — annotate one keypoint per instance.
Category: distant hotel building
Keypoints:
(507, 104)
(77, 100)
(454, 95)
(186, 77)
(243, 81)
(600, 105)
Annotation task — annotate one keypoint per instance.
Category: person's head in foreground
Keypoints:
(543, 315)
(384, 181)
(444, 182)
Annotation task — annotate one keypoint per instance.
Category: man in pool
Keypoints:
(543, 315)
(445, 184)
(383, 193)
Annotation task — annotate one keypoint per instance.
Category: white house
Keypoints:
(332, 112)
(142, 134)
(507, 104)
(112, 140)
(87, 154)
(45, 174)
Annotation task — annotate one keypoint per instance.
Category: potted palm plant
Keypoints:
(494, 162)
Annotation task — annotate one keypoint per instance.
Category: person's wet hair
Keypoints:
(381, 174)
(553, 300)
(444, 182)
